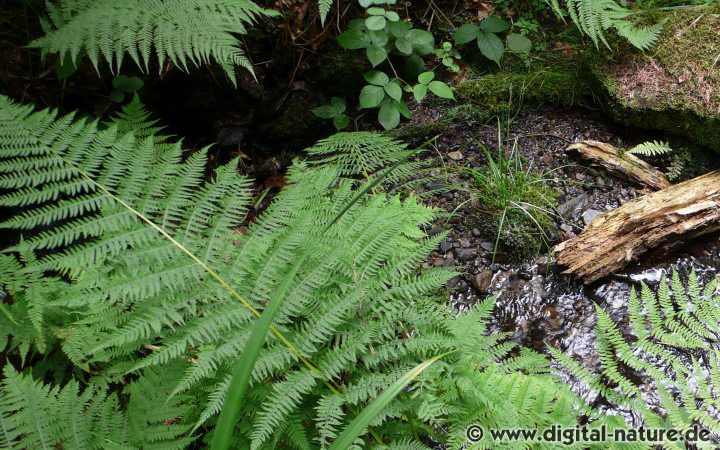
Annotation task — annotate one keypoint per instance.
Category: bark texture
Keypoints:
(666, 218)
(627, 166)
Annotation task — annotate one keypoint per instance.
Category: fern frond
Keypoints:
(651, 148)
(184, 32)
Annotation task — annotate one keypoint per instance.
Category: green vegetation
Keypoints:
(160, 292)
(519, 202)
(669, 330)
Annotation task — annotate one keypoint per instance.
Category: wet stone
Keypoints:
(481, 282)
(465, 254)
(571, 209)
(446, 246)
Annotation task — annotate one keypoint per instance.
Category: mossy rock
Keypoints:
(674, 87)
(496, 93)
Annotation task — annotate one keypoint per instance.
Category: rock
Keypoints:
(487, 246)
(547, 158)
(438, 262)
(674, 89)
(524, 275)
(571, 209)
(446, 246)
(565, 227)
(590, 215)
(452, 282)
(455, 156)
(465, 254)
(476, 232)
(543, 265)
(481, 282)
(464, 242)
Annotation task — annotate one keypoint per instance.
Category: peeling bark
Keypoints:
(664, 219)
(626, 166)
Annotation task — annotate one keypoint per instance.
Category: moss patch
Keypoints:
(676, 86)
(496, 92)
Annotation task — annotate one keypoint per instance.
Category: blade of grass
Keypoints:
(361, 422)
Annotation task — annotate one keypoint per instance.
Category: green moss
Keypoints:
(495, 92)
(417, 133)
(674, 88)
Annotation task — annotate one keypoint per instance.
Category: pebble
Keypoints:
(571, 209)
(464, 242)
(524, 275)
(481, 282)
(446, 246)
(455, 156)
(590, 215)
(476, 232)
(465, 254)
(487, 246)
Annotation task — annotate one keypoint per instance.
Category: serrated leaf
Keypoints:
(376, 77)
(404, 46)
(325, 112)
(338, 104)
(375, 22)
(491, 46)
(378, 37)
(466, 33)
(375, 11)
(389, 115)
(419, 92)
(394, 90)
(518, 43)
(392, 16)
(422, 41)
(371, 96)
(341, 122)
(492, 24)
(441, 89)
(353, 39)
(376, 54)
(426, 77)
(399, 29)
(404, 110)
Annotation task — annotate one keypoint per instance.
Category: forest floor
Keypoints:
(536, 303)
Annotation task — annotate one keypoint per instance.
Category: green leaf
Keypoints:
(426, 77)
(404, 46)
(64, 67)
(399, 29)
(419, 92)
(376, 77)
(422, 41)
(518, 43)
(375, 22)
(492, 24)
(394, 90)
(371, 96)
(325, 112)
(365, 3)
(376, 54)
(127, 84)
(338, 104)
(357, 24)
(358, 426)
(441, 89)
(414, 65)
(353, 39)
(341, 122)
(491, 46)
(375, 11)
(403, 108)
(117, 96)
(379, 37)
(389, 115)
(466, 33)
(392, 16)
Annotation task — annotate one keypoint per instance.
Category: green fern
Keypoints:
(596, 17)
(365, 154)
(324, 8)
(651, 148)
(674, 330)
(184, 32)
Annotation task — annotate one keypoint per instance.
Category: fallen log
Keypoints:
(622, 165)
(666, 218)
